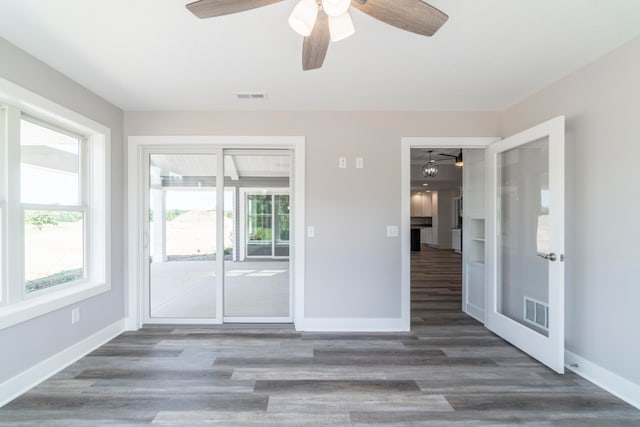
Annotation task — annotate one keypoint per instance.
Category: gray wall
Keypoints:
(602, 106)
(31, 342)
(352, 268)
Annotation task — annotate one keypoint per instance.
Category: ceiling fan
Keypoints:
(322, 21)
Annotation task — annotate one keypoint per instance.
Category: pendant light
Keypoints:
(431, 168)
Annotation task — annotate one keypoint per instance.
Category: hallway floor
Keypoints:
(448, 371)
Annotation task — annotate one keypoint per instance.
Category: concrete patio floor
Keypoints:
(187, 289)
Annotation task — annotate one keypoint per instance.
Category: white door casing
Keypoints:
(137, 239)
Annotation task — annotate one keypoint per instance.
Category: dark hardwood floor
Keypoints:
(448, 371)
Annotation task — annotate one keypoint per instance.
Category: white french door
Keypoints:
(525, 241)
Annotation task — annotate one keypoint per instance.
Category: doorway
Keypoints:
(218, 239)
(440, 180)
(517, 248)
(429, 237)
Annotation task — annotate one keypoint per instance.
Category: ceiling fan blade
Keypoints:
(410, 15)
(211, 8)
(315, 46)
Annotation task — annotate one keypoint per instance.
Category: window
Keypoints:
(54, 245)
(53, 206)
(267, 225)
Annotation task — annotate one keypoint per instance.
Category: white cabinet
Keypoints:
(426, 204)
(426, 235)
(456, 240)
(421, 204)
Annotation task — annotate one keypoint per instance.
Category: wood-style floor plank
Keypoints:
(449, 371)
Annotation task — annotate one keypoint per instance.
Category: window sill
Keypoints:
(37, 306)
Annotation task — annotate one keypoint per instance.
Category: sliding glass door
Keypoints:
(257, 285)
(208, 264)
(182, 224)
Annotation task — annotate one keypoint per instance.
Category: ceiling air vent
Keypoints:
(251, 95)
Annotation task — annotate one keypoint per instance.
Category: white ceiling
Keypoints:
(155, 55)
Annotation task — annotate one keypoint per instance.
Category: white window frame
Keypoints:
(81, 206)
(16, 305)
(244, 219)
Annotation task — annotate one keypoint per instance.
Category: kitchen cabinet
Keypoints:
(425, 235)
(456, 239)
(421, 204)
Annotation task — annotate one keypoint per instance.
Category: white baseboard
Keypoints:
(131, 324)
(613, 383)
(352, 325)
(33, 376)
(475, 312)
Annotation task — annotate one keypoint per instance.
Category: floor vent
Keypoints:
(536, 313)
(251, 95)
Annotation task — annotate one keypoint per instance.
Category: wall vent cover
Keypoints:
(251, 95)
(536, 313)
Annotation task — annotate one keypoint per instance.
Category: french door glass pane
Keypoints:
(53, 248)
(523, 234)
(182, 231)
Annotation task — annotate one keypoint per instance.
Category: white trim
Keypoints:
(407, 144)
(30, 308)
(16, 307)
(42, 108)
(240, 319)
(353, 325)
(21, 383)
(135, 196)
(604, 378)
(474, 311)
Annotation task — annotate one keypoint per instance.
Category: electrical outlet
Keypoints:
(75, 315)
(342, 162)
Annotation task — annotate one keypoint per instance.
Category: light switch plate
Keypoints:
(392, 231)
(359, 162)
(311, 231)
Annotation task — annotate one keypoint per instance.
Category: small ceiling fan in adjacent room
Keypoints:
(324, 21)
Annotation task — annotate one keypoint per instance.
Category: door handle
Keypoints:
(550, 256)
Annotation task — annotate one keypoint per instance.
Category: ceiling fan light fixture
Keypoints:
(303, 17)
(341, 27)
(336, 7)
(459, 161)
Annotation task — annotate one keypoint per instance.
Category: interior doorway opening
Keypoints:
(455, 211)
(447, 245)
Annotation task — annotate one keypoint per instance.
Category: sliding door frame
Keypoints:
(137, 240)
